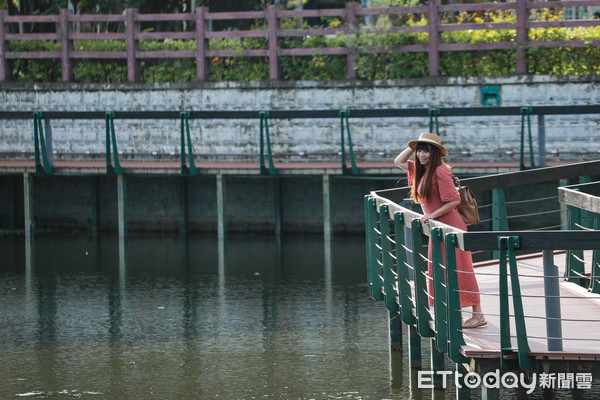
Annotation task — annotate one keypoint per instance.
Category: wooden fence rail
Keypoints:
(129, 29)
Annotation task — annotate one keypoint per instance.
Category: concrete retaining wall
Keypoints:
(568, 137)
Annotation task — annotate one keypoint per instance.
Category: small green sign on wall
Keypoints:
(490, 95)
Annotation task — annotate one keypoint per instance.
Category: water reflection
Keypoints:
(191, 317)
(170, 316)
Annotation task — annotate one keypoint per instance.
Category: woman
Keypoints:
(433, 187)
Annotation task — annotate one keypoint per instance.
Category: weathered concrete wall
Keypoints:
(156, 203)
(568, 137)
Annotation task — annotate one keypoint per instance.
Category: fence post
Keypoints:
(131, 26)
(5, 72)
(420, 281)
(552, 302)
(273, 25)
(202, 64)
(521, 37)
(352, 25)
(66, 46)
(434, 38)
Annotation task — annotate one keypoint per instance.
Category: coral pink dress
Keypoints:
(443, 191)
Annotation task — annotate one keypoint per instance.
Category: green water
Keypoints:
(174, 317)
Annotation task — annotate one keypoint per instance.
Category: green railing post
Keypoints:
(526, 112)
(506, 349)
(586, 217)
(575, 269)
(344, 114)
(264, 135)
(595, 278)
(420, 282)
(42, 164)
(525, 360)
(454, 315)
(499, 214)
(389, 275)
(115, 167)
(439, 290)
(433, 120)
(373, 252)
(402, 270)
(185, 134)
(508, 245)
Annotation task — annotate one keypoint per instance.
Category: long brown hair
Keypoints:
(425, 172)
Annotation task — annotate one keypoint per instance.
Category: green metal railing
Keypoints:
(42, 163)
(185, 135)
(526, 114)
(583, 210)
(344, 114)
(114, 166)
(397, 266)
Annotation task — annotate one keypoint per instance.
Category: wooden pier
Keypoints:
(542, 305)
(580, 327)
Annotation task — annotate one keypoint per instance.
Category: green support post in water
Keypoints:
(264, 136)
(221, 215)
(463, 392)
(433, 120)
(414, 347)
(439, 290)
(389, 275)
(344, 114)
(402, 271)
(327, 226)
(575, 270)
(526, 113)
(185, 135)
(437, 363)
(453, 311)
(595, 278)
(395, 332)
(420, 281)
(373, 252)
(122, 205)
(111, 141)
(42, 162)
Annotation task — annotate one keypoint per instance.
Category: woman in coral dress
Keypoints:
(433, 188)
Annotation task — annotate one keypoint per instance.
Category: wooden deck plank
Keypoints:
(580, 313)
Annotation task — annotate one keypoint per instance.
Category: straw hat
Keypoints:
(430, 138)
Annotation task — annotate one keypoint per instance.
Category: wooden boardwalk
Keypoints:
(580, 313)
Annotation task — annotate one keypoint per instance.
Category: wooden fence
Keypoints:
(351, 18)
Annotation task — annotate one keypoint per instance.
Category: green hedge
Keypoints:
(369, 65)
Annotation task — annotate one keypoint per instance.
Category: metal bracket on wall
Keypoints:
(115, 166)
(344, 114)
(526, 111)
(185, 134)
(433, 119)
(42, 162)
(264, 133)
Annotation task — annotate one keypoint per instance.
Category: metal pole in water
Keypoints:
(552, 299)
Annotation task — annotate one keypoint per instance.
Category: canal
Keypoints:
(170, 316)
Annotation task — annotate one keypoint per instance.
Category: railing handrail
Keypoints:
(272, 16)
(442, 112)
